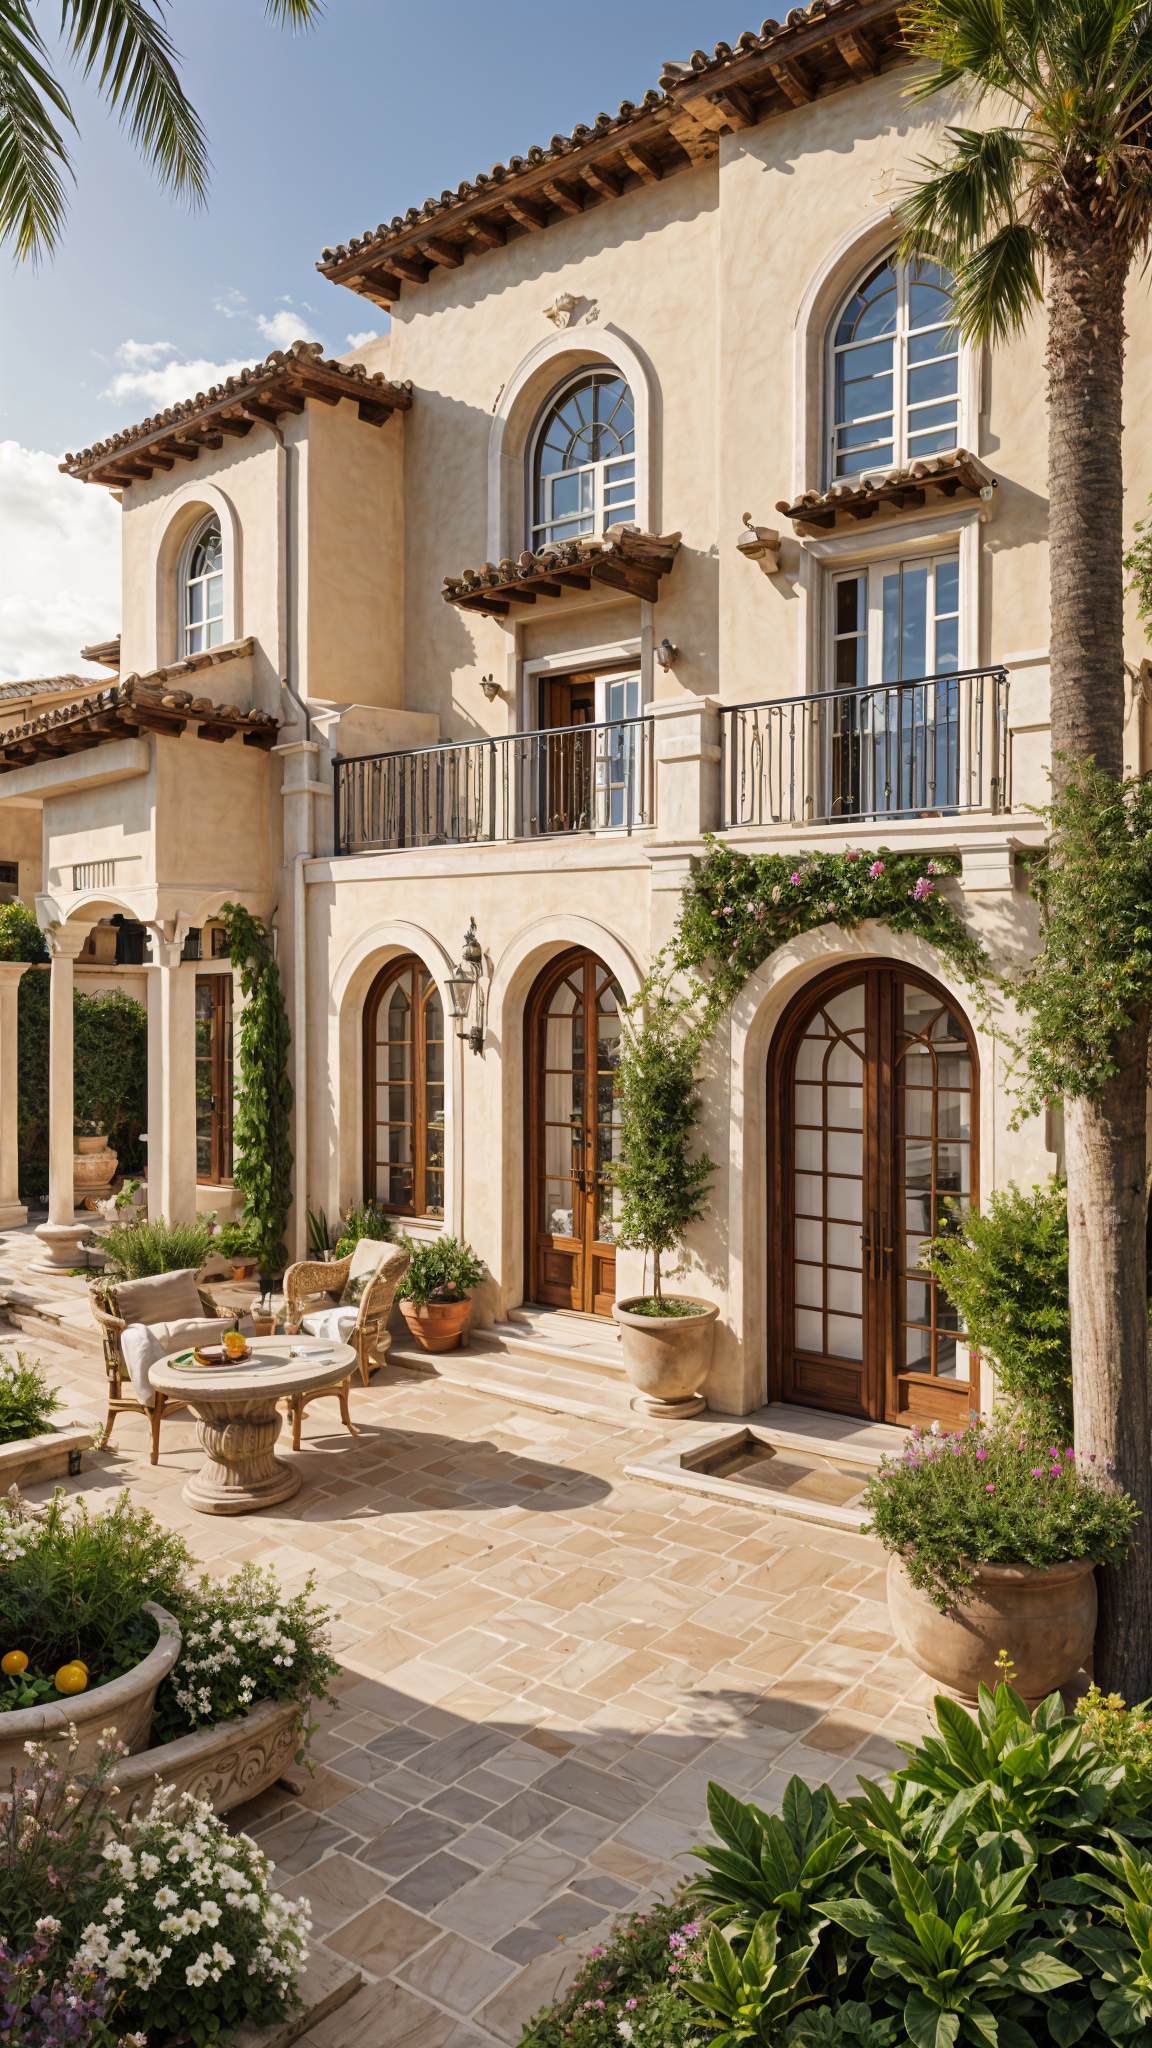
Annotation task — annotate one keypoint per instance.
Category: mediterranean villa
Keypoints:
(669, 505)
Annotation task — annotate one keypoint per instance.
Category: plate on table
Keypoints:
(215, 1354)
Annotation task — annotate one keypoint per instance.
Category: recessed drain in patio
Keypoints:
(742, 1463)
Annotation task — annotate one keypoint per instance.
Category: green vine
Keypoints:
(110, 1075)
(263, 1167)
(736, 911)
(1094, 967)
(1138, 562)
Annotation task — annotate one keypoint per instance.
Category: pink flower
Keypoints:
(793, 878)
(991, 1487)
(850, 855)
(932, 868)
(922, 890)
(831, 910)
(1069, 1454)
(877, 868)
(1037, 1471)
(630, 2004)
(981, 1454)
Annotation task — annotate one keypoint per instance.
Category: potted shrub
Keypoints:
(994, 1534)
(666, 1339)
(432, 1296)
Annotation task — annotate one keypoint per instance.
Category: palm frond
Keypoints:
(294, 14)
(33, 154)
(959, 202)
(978, 47)
(125, 45)
(999, 284)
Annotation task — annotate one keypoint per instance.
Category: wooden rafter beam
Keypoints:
(411, 266)
(641, 161)
(488, 232)
(602, 181)
(792, 81)
(858, 53)
(734, 102)
(564, 195)
(228, 423)
(522, 210)
(443, 252)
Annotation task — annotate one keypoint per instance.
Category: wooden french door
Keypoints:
(214, 1056)
(573, 1133)
(874, 1114)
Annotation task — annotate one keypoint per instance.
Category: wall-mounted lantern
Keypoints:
(760, 544)
(466, 997)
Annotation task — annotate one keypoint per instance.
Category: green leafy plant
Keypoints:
(1006, 1270)
(27, 1402)
(751, 1995)
(787, 1864)
(110, 1039)
(936, 1937)
(134, 1251)
(234, 1240)
(1138, 562)
(630, 1990)
(20, 935)
(441, 1269)
(1120, 1732)
(1121, 1950)
(263, 1164)
(851, 2025)
(363, 1219)
(51, 1831)
(662, 1189)
(319, 1239)
(998, 1493)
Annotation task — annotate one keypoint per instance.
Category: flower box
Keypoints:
(226, 1764)
(125, 1704)
(28, 1459)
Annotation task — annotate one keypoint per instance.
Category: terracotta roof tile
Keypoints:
(148, 703)
(860, 497)
(625, 560)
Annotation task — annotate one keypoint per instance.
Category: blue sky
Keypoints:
(313, 138)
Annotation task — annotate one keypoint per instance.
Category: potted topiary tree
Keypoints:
(666, 1339)
(432, 1296)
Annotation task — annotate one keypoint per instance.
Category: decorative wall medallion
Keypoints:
(561, 310)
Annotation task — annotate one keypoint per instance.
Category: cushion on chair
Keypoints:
(145, 1344)
(366, 1256)
(161, 1298)
(336, 1324)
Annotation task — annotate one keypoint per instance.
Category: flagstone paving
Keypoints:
(544, 1664)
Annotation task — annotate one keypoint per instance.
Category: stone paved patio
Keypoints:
(544, 1664)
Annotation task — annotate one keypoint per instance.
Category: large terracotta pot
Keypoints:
(667, 1358)
(93, 1166)
(124, 1704)
(1044, 1620)
(437, 1325)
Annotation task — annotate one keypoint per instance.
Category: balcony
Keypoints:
(930, 748)
(531, 785)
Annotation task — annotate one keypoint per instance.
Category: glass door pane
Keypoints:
(204, 1079)
(934, 1178)
(828, 1180)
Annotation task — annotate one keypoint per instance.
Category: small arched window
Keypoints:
(894, 370)
(584, 459)
(404, 1090)
(202, 598)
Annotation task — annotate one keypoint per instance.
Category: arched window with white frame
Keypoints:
(202, 589)
(893, 370)
(583, 463)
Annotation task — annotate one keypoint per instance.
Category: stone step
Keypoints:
(526, 1382)
(328, 1982)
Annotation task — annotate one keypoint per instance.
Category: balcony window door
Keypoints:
(588, 779)
(404, 1090)
(895, 748)
(573, 1134)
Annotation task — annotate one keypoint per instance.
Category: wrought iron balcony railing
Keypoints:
(915, 749)
(529, 785)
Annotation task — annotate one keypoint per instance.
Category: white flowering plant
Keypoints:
(245, 1641)
(189, 1929)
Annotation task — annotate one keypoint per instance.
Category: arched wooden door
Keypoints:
(873, 1089)
(404, 1090)
(573, 1133)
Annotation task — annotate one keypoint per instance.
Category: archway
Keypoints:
(873, 1148)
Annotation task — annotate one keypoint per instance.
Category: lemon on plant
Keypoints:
(71, 1678)
(13, 1662)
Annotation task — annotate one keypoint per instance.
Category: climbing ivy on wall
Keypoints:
(260, 1132)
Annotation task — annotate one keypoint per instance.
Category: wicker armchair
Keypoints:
(121, 1393)
(369, 1339)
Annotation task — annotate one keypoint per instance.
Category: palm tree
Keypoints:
(1053, 208)
(125, 46)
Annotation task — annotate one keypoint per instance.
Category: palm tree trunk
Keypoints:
(1106, 1148)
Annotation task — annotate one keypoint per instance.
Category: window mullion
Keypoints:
(419, 1098)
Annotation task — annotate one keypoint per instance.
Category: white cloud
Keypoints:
(147, 383)
(282, 329)
(60, 545)
(361, 340)
(145, 355)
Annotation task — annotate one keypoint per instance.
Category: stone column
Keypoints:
(12, 1210)
(171, 1080)
(61, 1235)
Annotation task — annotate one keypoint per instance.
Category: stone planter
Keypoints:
(667, 1358)
(226, 1764)
(1045, 1620)
(124, 1704)
(93, 1167)
(27, 1459)
(437, 1325)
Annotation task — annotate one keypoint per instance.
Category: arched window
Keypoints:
(202, 598)
(404, 1090)
(584, 459)
(894, 370)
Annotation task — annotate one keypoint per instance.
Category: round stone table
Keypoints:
(239, 1420)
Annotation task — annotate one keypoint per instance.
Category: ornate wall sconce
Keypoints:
(466, 996)
(760, 544)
